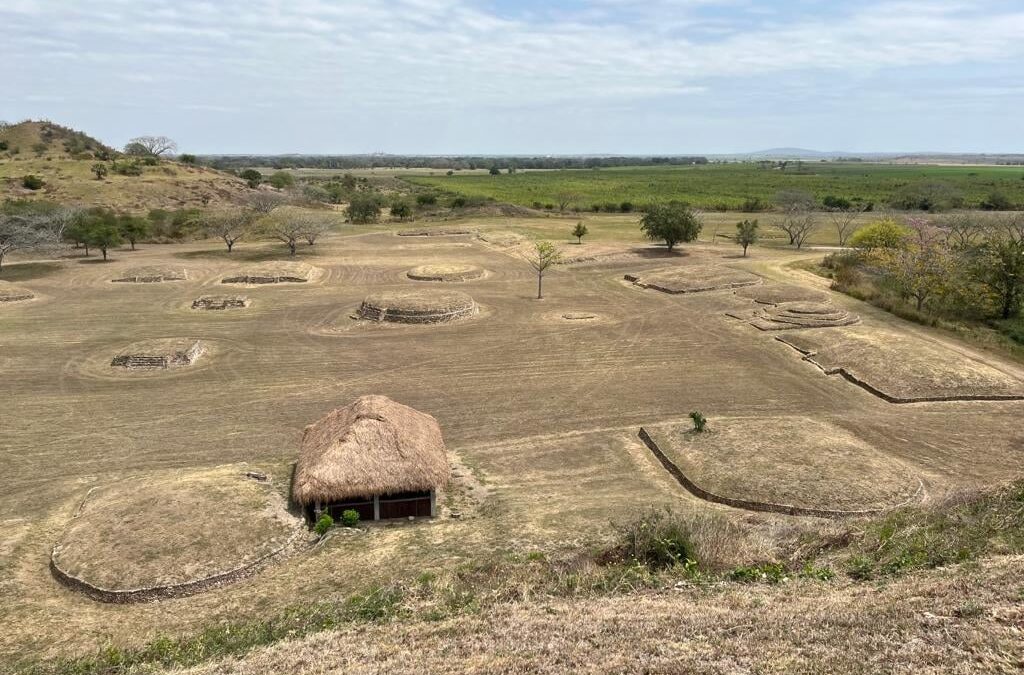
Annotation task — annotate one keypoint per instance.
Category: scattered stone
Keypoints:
(151, 275)
(159, 354)
(12, 293)
(273, 273)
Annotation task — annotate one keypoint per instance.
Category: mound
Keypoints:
(175, 533)
(776, 294)
(46, 139)
(905, 368)
(11, 293)
(218, 302)
(159, 354)
(151, 275)
(794, 315)
(694, 279)
(454, 272)
(417, 306)
(437, 232)
(787, 461)
(273, 273)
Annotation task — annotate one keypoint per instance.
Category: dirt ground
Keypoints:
(543, 411)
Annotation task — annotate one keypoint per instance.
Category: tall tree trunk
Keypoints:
(104, 254)
(230, 244)
(540, 281)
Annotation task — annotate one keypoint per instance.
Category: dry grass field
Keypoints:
(539, 406)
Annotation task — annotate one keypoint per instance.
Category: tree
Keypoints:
(19, 232)
(673, 223)
(495, 171)
(286, 225)
(801, 228)
(152, 146)
(132, 228)
(264, 202)
(798, 218)
(962, 230)
(316, 224)
(880, 234)
(230, 225)
(928, 196)
(188, 159)
(543, 255)
(252, 177)
(579, 232)
(843, 219)
(922, 267)
(401, 210)
(104, 235)
(100, 170)
(363, 209)
(996, 201)
(746, 234)
(998, 265)
(281, 180)
(566, 199)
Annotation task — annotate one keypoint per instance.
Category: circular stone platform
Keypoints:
(427, 306)
(793, 315)
(151, 275)
(454, 272)
(11, 293)
(796, 461)
(775, 294)
(172, 533)
(159, 354)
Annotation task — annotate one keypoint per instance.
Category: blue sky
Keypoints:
(497, 76)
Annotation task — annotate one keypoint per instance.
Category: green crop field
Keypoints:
(726, 186)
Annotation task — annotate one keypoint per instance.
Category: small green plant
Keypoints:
(770, 573)
(809, 571)
(31, 182)
(658, 540)
(324, 524)
(579, 232)
(699, 421)
(860, 568)
(350, 518)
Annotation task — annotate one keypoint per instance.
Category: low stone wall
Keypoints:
(750, 505)
(406, 315)
(174, 359)
(220, 302)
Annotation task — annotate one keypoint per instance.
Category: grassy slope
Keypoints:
(727, 184)
(68, 180)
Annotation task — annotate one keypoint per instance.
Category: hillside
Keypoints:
(63, 158)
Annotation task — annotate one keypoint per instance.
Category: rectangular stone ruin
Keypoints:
(160, 358)
(220, 302)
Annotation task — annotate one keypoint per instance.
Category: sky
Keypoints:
(521, 77)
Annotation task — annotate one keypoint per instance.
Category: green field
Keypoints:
(726, 186)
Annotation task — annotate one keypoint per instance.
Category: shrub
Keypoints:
(132, 168)
(494, 171)
(100, 169)
(363, 209)
(32, 182)
(426, 199)
(458, 202)
(3, 145)
(282, 179)
(833, 202)
(349, 518)
(549, 207)
(881, 234)
(699, 421)
(754, 205)
(324, 524)
(771, 573)
(252, 177)
(626, 207)
(537, 205)
(188, 159)
(658, 539)
(401, 210)
(996, 201)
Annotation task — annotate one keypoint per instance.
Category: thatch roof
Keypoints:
(371, 446)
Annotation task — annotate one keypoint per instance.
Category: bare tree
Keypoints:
(230, 225)
(566, 199)
(797, 207)
(800, 227)
(150, 145)
(844, 219)
(962, 230)
(265, 202)
(37, 232)
(317, 224)
(290, 225)
(543, 255)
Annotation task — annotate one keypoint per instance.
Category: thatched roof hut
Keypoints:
(367, 449)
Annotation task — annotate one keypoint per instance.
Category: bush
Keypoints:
(3, 146)
(771, 573)
(252, 177)
(363, 209)
(32, 182)
(459, 202)
(996, 201)
(881, 234)
(132, 168)
(188, 159)
(324, 524)
(658, 539)
(537, 205)
(754, 205)
(281, 180)
(349, 518)
(833, 202)
(699, 421)
(426, 199)
(626, 207)
(549, 207)
(401, 210)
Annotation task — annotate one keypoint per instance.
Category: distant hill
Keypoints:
(63, 158)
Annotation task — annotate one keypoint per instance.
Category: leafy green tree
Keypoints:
(104, 235)
(363, 209)
(188, 159)
(543, 255)
(672, 223)
(252, 177)
(401, 210)
(746, 234)
(133, 228)
(495, 171)
(281, 180)
(100, 170)
(579, 232)
(998, 265)
(880, 234)
(996, 201)
(922, 267)
(324, 524)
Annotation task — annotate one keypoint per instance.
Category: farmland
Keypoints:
(727, 186)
